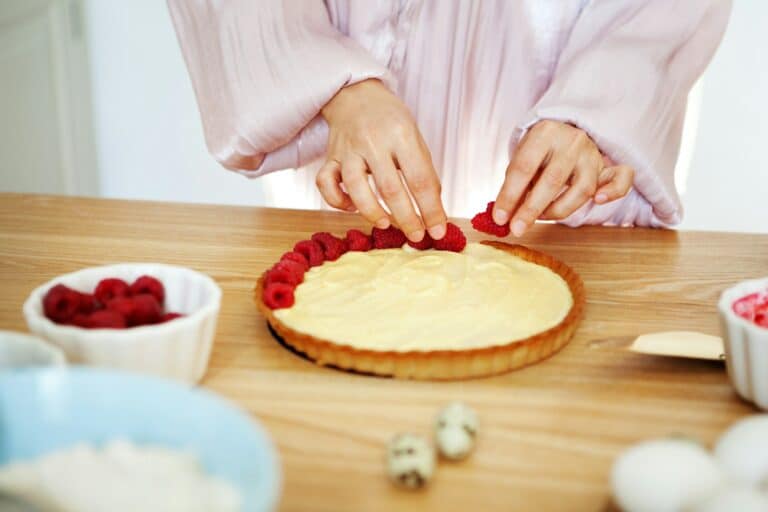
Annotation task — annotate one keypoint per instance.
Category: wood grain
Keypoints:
(549, 432)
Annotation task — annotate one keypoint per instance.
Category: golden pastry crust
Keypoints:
(445, 364)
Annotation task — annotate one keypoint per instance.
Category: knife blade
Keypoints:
(687, 344)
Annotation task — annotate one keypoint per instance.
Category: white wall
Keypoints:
(148, 133)
(727, 185)
(151, 145)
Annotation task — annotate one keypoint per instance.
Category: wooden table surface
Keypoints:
(548, 432)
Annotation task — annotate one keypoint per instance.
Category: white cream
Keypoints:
(121, 477)
(403, 299)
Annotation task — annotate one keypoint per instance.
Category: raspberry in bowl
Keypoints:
(143, 317)
(743, 312)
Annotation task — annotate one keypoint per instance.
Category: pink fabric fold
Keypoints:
(476, 75)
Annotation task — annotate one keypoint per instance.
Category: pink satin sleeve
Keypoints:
(624, 78)
(261, 71)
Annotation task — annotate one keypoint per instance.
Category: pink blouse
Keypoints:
(475, 74)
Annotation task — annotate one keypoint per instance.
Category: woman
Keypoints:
(569, 110)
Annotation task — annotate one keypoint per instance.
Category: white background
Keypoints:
(150, 145)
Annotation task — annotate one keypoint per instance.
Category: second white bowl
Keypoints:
(746, 345)
(178, 349)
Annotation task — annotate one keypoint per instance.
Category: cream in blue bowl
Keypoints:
(50, 411)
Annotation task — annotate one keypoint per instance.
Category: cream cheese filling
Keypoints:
(404, 300)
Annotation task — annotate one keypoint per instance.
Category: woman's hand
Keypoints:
(555, 170)
(372, 131)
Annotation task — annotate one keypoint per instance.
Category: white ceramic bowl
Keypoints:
(746, 345)
(178, 349)
(18, 350)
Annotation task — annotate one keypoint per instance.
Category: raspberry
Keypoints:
(297, 257)
(311, 250)
(61, 303)
(281, 272)
(292, 266)
(390, 238)
(88, 303)
(169, 316)
(147, 310)
(489, 207)
(454, 240)
(137, 310)
(424, 244)
(80, 320)
(333, 247)
(150, 285)
(278, 295)
(124, 306)
(358, 241)
(108, 289)
(745, 306)
(105, 319)
(484, 223)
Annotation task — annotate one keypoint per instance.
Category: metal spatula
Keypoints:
(693, 345)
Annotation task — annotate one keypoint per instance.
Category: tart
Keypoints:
(436, 315)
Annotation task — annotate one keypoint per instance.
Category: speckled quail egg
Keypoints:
(410, 461)
(742, 451)
(455, 430)
(665, 475)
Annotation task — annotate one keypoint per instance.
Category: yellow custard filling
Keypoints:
(404, 299)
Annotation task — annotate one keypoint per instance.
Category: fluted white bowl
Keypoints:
(179, 349)
(746, 345)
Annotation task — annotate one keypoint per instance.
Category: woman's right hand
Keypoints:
(372, 132)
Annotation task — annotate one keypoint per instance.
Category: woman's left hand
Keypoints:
(555, 170)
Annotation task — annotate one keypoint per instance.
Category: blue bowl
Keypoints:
(49, 409)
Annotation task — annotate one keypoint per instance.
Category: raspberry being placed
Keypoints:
(484, 223)
(105, 319)
(297, 257)
(358, 241)
(311, 250)
(333, 247)
(150, 285)
(424, 244)
(390, 238)
(278, 295)
(62, 303)
(454, 240)
(108, 289)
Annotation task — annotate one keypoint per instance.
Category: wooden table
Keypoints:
(549, 432)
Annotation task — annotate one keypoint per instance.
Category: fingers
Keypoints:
(547, 187)
(527, 160)
(581, 189)
(396, 197)
(328, 182)
(355, 177)
(614, 183)
(423, 183)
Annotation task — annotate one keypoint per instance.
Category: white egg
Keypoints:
(742, 451)
(410, 461)
(664, 475)
(455, 430)
(735, 499)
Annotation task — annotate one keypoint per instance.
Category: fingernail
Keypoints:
(518, 228)
(601, 198)
(500, 217)
(382, 223)
(352, 208)
(416, 236)
(437, 232)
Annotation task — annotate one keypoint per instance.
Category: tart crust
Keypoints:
(445, 364)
